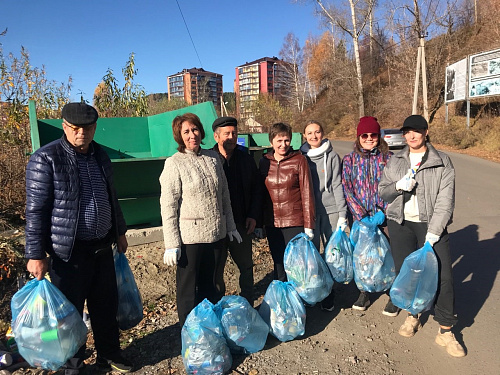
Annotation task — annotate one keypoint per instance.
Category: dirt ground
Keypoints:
(343, 341)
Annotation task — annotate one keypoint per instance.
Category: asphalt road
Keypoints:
(475, 246)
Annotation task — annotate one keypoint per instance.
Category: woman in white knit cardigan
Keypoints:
(196, 213)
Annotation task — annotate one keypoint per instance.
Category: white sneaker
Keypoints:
(410, 326)
(448, 340)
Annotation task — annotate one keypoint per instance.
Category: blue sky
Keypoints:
(85, 38)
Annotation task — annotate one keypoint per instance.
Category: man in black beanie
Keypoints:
(245, 190)
(73, 215)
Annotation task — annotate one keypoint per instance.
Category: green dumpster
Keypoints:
(137, 147)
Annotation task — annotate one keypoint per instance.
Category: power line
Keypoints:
(190, 37)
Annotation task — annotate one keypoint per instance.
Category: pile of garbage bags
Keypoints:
(211, 333)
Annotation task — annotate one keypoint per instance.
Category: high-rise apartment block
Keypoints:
(263, 76)
(195, 86)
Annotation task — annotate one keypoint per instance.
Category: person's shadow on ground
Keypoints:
(155, 347)
(476, 264)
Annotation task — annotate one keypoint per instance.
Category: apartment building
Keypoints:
(263, 76)
(195, 85)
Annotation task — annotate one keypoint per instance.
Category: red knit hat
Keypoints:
(368, 124)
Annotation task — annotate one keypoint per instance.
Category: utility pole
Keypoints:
(420, 64)
(421, 67)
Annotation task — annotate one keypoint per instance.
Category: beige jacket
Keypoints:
(195, 203)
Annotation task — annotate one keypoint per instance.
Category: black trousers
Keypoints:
(410, 236)
(242, 256)
(278, 238)
(90, 276)
(195, 277)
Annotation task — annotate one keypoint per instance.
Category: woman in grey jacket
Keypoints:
(196, 213)
(419, 185)
(331, 209)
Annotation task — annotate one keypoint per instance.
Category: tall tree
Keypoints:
(291, 54)
(353, 25)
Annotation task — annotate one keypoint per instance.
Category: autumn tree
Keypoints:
(129, 101)
(332, 73)
(20, 82)
(267, 110)
(159, 103)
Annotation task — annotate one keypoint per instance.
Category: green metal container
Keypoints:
(138, 147)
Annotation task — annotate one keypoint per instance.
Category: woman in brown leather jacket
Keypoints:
(289, 205)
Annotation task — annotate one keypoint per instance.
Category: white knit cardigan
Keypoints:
(195, 203)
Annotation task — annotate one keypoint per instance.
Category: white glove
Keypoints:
(309, 233)
(342, 223)
(259, 233)
(236, 235)
(171, 256)
(407, 183)
(431, 238)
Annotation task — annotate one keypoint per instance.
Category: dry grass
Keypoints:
(480, 139)
(13, 161)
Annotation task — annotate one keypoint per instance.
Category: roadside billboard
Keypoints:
(456, 81)
(484, 74)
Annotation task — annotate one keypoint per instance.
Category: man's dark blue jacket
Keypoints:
(53, 199)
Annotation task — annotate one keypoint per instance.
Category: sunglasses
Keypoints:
(371, 135)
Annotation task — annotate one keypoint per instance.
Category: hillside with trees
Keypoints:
(365, 64)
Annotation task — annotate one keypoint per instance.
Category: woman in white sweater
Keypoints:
(196, 213)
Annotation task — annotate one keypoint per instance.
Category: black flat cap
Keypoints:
(80, 114)
(415, 122)
(224, 121)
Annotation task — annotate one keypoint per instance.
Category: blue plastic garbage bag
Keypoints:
(375, 220)
(130, 308)
(374, 269)
(415, 287)
(283, 311)
(305, 267)
(338, 257)
(204, 348)
(244, 329)
(47, 327)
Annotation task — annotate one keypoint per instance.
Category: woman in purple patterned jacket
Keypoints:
(361, 173)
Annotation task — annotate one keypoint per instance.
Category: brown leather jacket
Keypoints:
(290, 198)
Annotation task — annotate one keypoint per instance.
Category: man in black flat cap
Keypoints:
(245, 191)
(73, 215)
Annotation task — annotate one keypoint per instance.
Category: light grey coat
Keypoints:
(324, 164)
(195, 202)
(435, 188)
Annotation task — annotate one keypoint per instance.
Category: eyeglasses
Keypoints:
(77, 128)
(371, 135)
